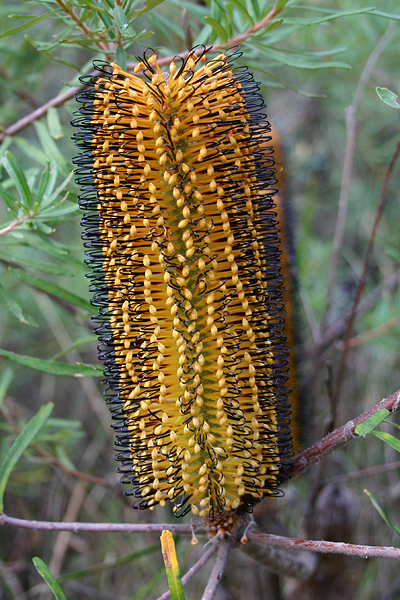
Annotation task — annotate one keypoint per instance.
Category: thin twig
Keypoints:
(283, 561)
(193, 570)
(337, 329)
(324, 547)
(371, 334)
(339, 437)
(104, 46)
(218, 569)
(362, 279)
(372, 471)
(15, 224)
(95, 527)
(351, 112)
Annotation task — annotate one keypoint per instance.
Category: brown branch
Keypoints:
(362, 279)
(324, 547)
(95, 527)
(365, 472)
(39, 112)
(193, 570)
(351, 112)
(371, 334)
(218, 569)
(338, 438)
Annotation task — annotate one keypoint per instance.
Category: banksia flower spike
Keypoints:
(183, 245)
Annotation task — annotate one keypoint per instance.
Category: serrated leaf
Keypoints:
(367, 426)
(52, 367)
(16, 173)
(122, 22)
(388, 97)
(388, 439)
(54, 123)
(43, 570)
(381, 512)
(19, 446)
(219, 30)
(53, 289)
(26, 25)
(14, 308)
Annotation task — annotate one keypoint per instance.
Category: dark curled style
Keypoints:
(182, 241)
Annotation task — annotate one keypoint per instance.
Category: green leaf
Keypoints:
(367, 426)
(19, 446)
(53, 289)
(120, 57)
(9, 200)
(280, 4)
(16, 173)
(292, 60)
(46, 267)
(87, 339)
(52, 367)
(43, 183)
(219, 30)
(17, 310)
(381, 512)
(171, 565)
(379, 13)
(5, 379)
(42, 569)
(388, 439)
(54, 123)
(149, 5)
(26, 25)
(122, 22)
(388, 97)
(50, 147)
(274, 25)
(334, 15)
(242, 9)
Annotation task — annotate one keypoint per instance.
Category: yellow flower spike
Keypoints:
(183, 245)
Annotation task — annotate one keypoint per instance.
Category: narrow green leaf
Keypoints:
(12, 305)
(379, 13)
(388, 439)
(280, 4)
(43, 570)
(217, 27)
(26, 25)
(334, 15)
(87, 339)
(292, 60)
(19, 446)
(120, 57)
(381, 512)
(16, 173)
(46, 267)
(5, 379)
(52, 367)
(30, 150)
(50, 147)
(149, 5)
(43, 183)
(388, 97)
(274, 25)
(122, 22)
(242, 9)
(171, 565)
(54, 123)
(9, 201)
(367, 426)
(53, 289)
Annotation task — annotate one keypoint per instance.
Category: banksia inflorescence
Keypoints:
(182, 241)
